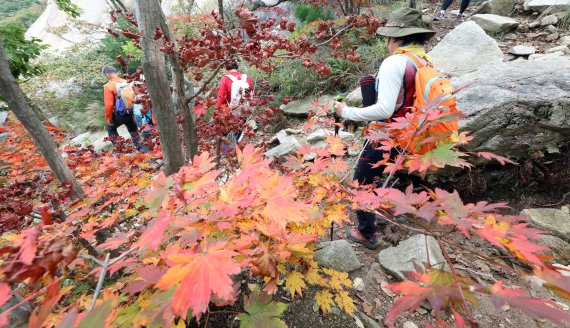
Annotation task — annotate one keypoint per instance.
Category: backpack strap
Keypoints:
(231, 77)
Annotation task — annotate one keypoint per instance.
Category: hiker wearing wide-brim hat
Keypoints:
(406, 34)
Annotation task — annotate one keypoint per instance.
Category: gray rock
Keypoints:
(560, 248)
(401, 258)
(338, 255)
(552, 28)
(289, 146)
(534, 24)
(409, 324)
(3, 117)
(465, 49)
(510, 36)
(514, 108)
(522, 50)
(564, 41)
(301, 108)
(563, 49)
(549, 20)
(495, 23)
(97, 139)
(367, 321)
(498, 7)
(555, 221)
(552, 37)
(321, 134)
(553, 6)
(552, 55)
(354, 98)
(20, 315)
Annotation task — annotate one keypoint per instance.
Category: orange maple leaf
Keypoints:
(199, 275)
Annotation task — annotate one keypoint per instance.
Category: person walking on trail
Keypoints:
(446, 4)
(234, 88)
(405, 35)
(119, 101)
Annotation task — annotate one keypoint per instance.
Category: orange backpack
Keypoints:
(431, 85)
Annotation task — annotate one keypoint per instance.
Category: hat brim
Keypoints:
(398, 32)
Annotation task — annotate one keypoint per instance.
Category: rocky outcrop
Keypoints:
(465, 49)
(514, 108)
(411, 251)
(495, 23)
(97, 139)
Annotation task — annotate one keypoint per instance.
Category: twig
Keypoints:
(456, 278)
(189, 99)
(100, 282)
(476, 272)
(555, 204)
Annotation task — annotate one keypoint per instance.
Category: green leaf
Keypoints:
(262, 312)
(444, 155)
(96, 317)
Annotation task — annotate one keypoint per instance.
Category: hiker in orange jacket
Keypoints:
(113, 119)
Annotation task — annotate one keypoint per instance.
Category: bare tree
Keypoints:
(11, 92)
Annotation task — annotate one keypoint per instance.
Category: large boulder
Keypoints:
(514, 108)
(302, 107)
(413, 250)
(554, 221)
(552, 5)
(338, 255)
(495, 23)
(465, 49)
(97, 139)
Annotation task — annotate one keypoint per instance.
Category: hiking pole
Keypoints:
(340, 97)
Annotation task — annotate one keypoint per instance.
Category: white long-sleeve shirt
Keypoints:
(389, 85)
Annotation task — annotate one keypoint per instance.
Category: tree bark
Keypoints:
(179, 97)
(11, 92)
(149, 16)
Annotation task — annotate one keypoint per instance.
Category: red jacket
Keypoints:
(225, 89)
(110, 94)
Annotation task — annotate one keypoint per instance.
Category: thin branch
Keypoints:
(29, 297)
(456, 278)
(100, 282)
(206, 83)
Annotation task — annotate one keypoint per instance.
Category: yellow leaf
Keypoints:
(338, 279)
(295, 283)
(312, 277)
(324, 300)
(151, 260)
(344, 301)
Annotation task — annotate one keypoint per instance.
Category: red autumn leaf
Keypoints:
(27, 245)
(5, 293)
(50, 300)
(148, 275)
(198, 276)
(535, 307)
(153, 235)
(490, 156)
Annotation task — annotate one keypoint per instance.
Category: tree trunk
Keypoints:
(221, 9)
(16, 100)
(189, 127)
(149, 17)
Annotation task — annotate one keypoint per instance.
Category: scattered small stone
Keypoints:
(505, 307)
(367, 321)
(322, 134)
(293, 131)
(552, 37)
(532, 35)
(315, 307)
(409, 324)
(335, 311)
(359, 323)
(388, 292)
(534, 24)
(522, 50)
(510, 36)
(358, 284)
(549, 20)
(552, 28)
(495, 23)
(564, 41)
(557, 49)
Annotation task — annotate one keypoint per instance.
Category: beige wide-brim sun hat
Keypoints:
(403, 22)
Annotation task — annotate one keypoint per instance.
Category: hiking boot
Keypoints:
(439, 17)
(356, 236)
(460, 18)
(139, 145)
